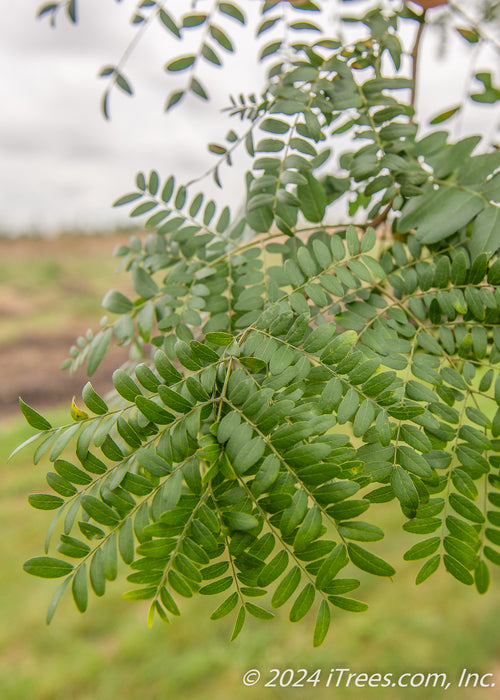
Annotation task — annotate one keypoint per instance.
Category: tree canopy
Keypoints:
(292, 372)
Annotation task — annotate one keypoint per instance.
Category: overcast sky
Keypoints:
(62, 164)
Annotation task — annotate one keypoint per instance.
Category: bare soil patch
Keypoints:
(45, 303)
(30, 369)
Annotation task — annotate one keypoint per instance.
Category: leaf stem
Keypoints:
(414, 57)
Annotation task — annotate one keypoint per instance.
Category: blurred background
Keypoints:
(62, 165)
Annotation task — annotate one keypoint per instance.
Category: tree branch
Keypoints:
(381, 216)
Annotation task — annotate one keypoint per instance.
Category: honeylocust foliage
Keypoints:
(295, 373)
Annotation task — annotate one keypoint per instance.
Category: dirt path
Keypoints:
(50, 292)
(30, 369)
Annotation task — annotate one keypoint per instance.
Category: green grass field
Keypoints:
(54, 283)
(109, 652)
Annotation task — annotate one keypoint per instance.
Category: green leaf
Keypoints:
(221, 37)
(366, 561)
(126, 542)
(413, 462)
(378, 383)
(258, 612)
(249, 455)
(348, 406)
(404, 488)
(153, 412)
(174, 98)
(482, 577)
(226, 607)
(127, 199)
(194, 19)
(383, 428)
(157, 548)
(98, 349)
(457, 570)
(464, 507)
(144, 284)
(286, 587)
(422, 526)
(485, 234)
(493, 555)
(209, 54)
(185, 567)
(72, 547)
(27, 442)
(364, 418)
(275, 126)
(33, 418)
(60, 484)
(140, 593)
(273, 569)
(405, 412)
(238, 625)
(240, 521)
(80, 588)
(116, 302)
(97, 573)
(469, 35)
(56, 599)
(93, 401)
(123, 83)
(302, 603)
(146, 377)
(198, 89)
(322, 624)
(461, 551)
(232, 10)
(71, 10)
(360, 531)
(312, 198)
(45, 501)
(180, 64)
(228, 427)
(439, 214)
(165, 368)
(270, 49)
(352, 240)
(490, 94)
(309, 530)
(64, 437)
(319, 338)
(348, 603)
(219, 338)
(444, 116)
(47, 567)
(331, 566)
(174, 400)
(295, 513)
(422, 549)
(125, 385)
(47, 8)
(111, 450)
(99, 511)
(169, 23)
(428, 569)
(217, 587)
(464, 484)
(415, 438)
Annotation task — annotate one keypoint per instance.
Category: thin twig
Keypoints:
(382, 216)
(414, 57)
